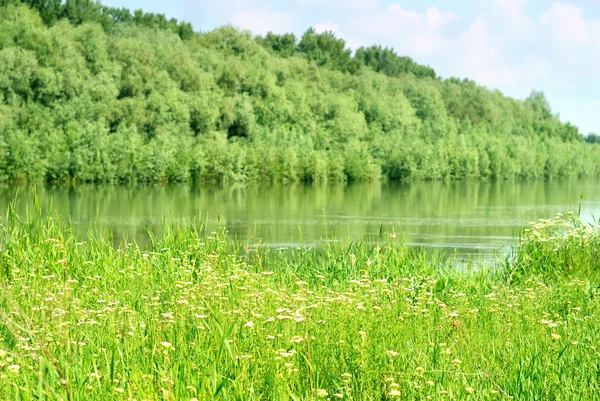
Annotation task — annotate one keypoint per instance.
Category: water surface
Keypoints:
(471, 219)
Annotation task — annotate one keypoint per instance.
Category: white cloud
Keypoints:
(312, 3)
(410, 32)
(567, 24)
(513, 9)
(327, 26)
(479, 56)
(359, 5)
(432, 18)
(437, 19)
(353, 5)
(267, 20)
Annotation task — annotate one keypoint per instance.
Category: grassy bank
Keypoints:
(201, 316)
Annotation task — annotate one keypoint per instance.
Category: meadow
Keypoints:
(202, 316)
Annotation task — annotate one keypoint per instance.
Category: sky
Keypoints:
(515, 46)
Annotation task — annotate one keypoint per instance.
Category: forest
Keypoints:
(90, 93)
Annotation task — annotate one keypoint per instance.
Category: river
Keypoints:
(469, 219)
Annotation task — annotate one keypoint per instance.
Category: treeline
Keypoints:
(592, 138)
(96, 94)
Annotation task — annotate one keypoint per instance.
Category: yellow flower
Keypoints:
(394, 393)
(469, 390)
(556, 336)
(322, 393)
(166, 344)
(13, 368)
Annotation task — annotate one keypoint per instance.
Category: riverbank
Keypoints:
(203, 316)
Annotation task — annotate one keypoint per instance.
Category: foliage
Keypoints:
(558, 247)
(592, 138)
(98, 94)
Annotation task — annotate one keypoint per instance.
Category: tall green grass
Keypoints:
(201, 316)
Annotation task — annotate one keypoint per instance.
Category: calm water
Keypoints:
(470, 218)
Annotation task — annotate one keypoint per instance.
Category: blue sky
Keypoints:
(511, 45)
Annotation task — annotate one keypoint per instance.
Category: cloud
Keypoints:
(408, 31)
(327, 26)
(359, 5)
(479, 55)
(569, 27)
(432, 18)
(437, 19)
(267, 20)
(567, 24)
(353, 5)
(513, 9)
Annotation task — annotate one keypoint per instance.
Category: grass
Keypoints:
(200, 316)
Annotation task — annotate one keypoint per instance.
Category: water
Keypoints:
(471, 219)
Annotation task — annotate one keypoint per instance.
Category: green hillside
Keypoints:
(95, 94)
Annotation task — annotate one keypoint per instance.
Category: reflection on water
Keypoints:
(469, 218)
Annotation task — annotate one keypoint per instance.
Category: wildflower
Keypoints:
(322, 393)
(338, 395)
(392, 353)
(249, 324)
(457, 361)
(556, 336)
(394, 393)
(346, 375)
(166, 344)
(352, 259)
(430, 383)
(469, 390)
(119, 390)
(13, 368)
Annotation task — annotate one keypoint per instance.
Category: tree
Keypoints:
(282, 45)
(389, 63)
(325, 49)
